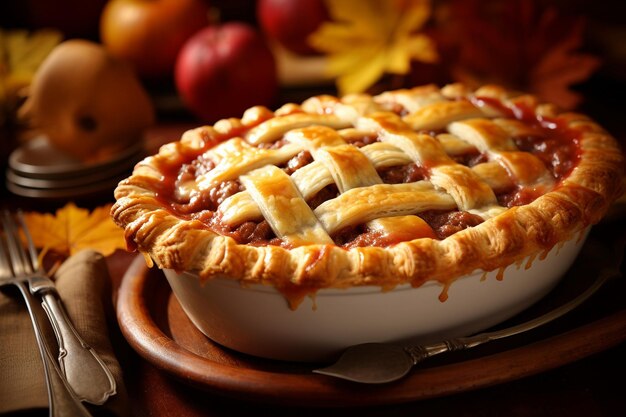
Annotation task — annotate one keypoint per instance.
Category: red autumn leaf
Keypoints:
(517, 44)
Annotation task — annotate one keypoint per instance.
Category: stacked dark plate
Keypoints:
(37, 170)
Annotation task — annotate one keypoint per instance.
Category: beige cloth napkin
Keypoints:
(83, 283)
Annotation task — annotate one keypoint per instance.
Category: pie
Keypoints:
(402, 187)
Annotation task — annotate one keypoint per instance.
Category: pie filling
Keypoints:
(500, 162)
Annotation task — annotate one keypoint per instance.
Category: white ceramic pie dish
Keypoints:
(257, 320)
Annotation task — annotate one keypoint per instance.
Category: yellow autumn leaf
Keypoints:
(72, 229)
(21, 54)
(367, 38)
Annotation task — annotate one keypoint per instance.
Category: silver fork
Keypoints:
(61, 399)
(82, 368)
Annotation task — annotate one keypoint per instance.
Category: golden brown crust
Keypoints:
(509, 236)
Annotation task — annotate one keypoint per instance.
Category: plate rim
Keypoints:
(63, 193)
(63, 170)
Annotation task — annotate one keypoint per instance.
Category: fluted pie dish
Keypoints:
(413, 214)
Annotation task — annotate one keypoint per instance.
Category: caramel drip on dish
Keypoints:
(500, 274)
(530, 261)
(443, 296)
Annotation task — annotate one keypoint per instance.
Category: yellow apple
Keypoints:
(87, 103)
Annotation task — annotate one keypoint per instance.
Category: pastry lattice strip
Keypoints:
(451, 186)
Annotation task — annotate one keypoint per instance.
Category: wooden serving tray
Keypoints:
(155, 325)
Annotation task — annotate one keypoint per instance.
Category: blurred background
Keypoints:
(197, 61)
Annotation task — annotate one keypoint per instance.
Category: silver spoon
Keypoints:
(380, 363)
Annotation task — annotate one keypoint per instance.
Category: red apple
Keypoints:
(290, 22)
(149, 33)
(223, 70)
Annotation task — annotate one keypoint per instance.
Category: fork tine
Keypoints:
(32, 250)
(19, 261)
(5, 265)
(10, 249)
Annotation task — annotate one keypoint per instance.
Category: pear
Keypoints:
(87, 103)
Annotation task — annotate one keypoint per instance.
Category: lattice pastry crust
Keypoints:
(185, 206)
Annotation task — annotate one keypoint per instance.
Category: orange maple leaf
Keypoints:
(72, 229)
